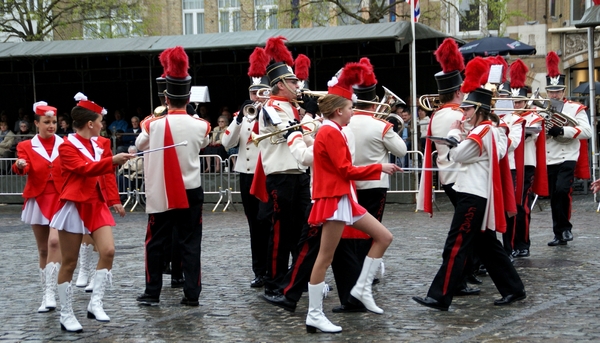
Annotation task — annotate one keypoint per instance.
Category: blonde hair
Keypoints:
(331, 102)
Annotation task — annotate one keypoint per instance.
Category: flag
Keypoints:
(417, 9)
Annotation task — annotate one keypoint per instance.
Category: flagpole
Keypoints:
(413, 83)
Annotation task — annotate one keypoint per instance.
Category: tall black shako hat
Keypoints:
(453, 63)
(366, 90)
(476, 75)
(177, 78)
(258, 70)
(281, 68)
(161, 82)
(555, 81)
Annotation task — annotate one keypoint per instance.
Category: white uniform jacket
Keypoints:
(557, 152)
(159, 166)
(239, 133)
(374, 137)
(532, 119)
(440, 126)
(515, 133)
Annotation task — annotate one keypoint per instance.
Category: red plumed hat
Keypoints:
(164, 61)
(502, 61)
(178, 79)
(369, 75)
(473, 74)
(449, 57)
(351, 75)
(277, 50)
(518, 74)
(552, 64)
(302, 67)
(258, 63)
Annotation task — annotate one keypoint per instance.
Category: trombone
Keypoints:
(389, 99)
(430, 102)
(278, 140)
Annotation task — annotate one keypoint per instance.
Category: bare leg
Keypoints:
(53, 246)
(106, 247)
(41, 239)
(330, 237)
(69, 248)
(382, 237)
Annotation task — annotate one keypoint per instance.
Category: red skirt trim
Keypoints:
(324, 209)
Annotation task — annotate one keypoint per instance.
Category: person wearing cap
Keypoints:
(174, 194)
(38, 158)
(334, 199)
(480, 201)
(566, 153)
(375, 138)
(238, 133)
(287, 183)
(88, 168)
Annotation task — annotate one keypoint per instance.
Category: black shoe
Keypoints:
(375, 281)
(511, 298)
(523, 253)
(281, 301)
(467, 291)
(430, 302)
(189, 302)
(147, 299)
(273, 292)
(556, 241)
(567, 236)
(177, 283)
(257, 282)
(474, 279)
(349, 308)
(514, 253)
(481, 271)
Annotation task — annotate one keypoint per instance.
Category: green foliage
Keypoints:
(36, 20)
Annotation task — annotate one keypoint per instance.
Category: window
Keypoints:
(229, 16)
(113, 27)
(193, 17)
(266, 14)
(470, 18)
(578, 7)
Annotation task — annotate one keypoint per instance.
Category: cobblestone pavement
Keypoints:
(562, 286)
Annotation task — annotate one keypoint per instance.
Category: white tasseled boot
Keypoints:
(43, 307)
(85, 257)
(95, 309)
(68, 321)
(90, 287)
(51, 277)
(362, 289)
(315, 319)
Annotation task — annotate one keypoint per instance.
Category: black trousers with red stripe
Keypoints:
(465, 236)
(517, 227)
(289, 196)
(188, 224)
(560, 185)
(350, 253)
(259, 229)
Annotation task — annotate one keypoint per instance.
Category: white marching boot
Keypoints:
(43, 307)
(362, 290)
(95, 309)
(315, 319)
(90, 287)
(51, 278)
(85, 265)
(68, 321)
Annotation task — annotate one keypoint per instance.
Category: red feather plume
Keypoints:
(302, 67)
(178, 63)
(552, 64)
(369, 75)
(258, 63)
(277, 50)
(473, 74)
(501, 60)
(518, 74)
(486, 74)
(164, 61)
(449, 57)
(351, 75)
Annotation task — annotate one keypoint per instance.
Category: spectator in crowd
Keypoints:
(6, 140)
(119, 123)
(65, 126)
(203, 113)
(20, 115)
(406, 134)
(131, 173)
(423, 124)
(23, 134)
(104, 131)
(128, 137)
(215, 147)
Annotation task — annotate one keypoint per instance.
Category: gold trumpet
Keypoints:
(278, 140)
(430, 102)
(251, 110)
(317, 94)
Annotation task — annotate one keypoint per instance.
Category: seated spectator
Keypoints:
(104, 131)
(130, 174)
(7, 139)
(20, 115)
(131, 133)
(23, 135)
(215, 147)
(119, 123)
(64, 126)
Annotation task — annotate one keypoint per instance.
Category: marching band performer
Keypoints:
(533, 178)
(239, 132)
(376, 138)
(566, 154)
(173, 189)
(88, 168)
(287, 183)
(480, 201)
(38, 158)
(335, 204)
